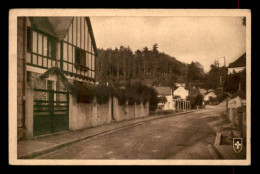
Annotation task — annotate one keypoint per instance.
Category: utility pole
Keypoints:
(226, 84)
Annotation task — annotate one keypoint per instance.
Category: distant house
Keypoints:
(202, 91)
(182, 92)
(238, 65)
(167, 93)
(209, 95)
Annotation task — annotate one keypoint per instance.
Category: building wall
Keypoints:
(180, 91)
(20, 77)
(78, 36)
(169, 104)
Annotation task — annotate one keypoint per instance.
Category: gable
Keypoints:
(80, 34)
(54, 26)
(56, 71)
(240, 62)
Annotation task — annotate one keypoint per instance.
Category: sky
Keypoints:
(202, 39)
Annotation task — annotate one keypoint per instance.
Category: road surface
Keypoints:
(177, 137)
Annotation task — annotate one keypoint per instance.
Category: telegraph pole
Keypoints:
(226, 84)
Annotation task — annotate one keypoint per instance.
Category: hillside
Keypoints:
(119, 66)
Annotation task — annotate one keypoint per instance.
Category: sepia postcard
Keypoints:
(129, 87)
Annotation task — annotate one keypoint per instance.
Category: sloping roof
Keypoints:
(92, 35)
(163, 90)
(55, 26)
(240, 62)
(181, 88)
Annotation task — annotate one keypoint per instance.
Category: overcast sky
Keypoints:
(201, 39)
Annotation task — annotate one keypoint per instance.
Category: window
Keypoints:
(52, 48)
(49, 85)
(80, 57)
(29, 40)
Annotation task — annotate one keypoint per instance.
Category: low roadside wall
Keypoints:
(126, 111)
(83, 115)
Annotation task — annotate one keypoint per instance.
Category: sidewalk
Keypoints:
(223, 147)
(44, 144)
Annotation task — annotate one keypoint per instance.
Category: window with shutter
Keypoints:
(80, 57)
(52, 48)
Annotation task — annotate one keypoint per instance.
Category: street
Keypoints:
(177, 137)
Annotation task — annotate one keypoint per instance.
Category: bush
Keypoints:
(153, 101)
(195, 100)
(135, 93)
(85, 93)
(102, 94)
(162, 99)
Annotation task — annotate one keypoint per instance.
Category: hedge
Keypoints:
(133, 93)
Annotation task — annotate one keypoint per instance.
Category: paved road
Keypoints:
(177, 137)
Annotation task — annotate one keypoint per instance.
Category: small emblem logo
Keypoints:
(237, 144)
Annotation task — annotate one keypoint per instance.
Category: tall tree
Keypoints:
(145, 55)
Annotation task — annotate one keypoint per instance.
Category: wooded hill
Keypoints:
(119, 66)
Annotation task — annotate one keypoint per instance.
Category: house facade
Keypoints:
(209, 95)
(53, 53)
(182, 92)
(167, 93)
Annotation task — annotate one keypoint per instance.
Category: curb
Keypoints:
(61, 145)
(212, 152)
(218, 139)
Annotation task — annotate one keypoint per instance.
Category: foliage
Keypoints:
(162, 99)
(122, 65)
(236, 79)
(215, 78)
(102, 93)
(195, 100)
(153, 99)
(135, 92)
(85, 93)
(195, 72)
(121, 95)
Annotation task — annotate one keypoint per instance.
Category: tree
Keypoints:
(138, 57)
(145, 56)
(194, 72)
(172, 80)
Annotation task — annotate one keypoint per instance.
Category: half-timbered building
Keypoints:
(52, 54)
